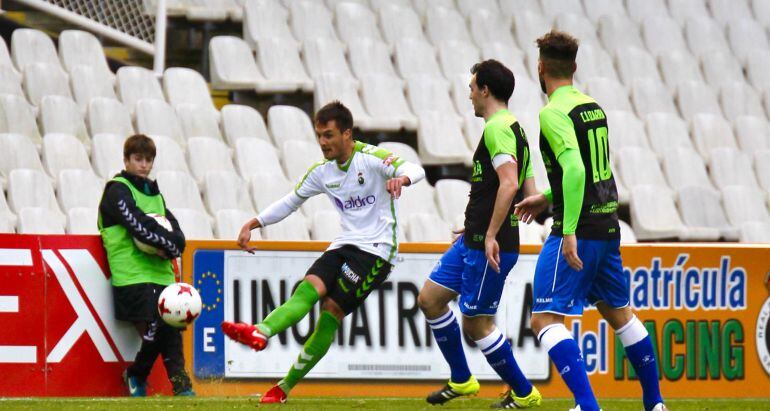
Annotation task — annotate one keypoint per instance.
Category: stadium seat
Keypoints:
(79, 188)
(30, 46)
(740, 99)
(653, 214)
(355, 21)
(685, 168)
(292, 228)
(460, 91)
(553, 7)
(626, 130)
(186, 86)
(446, 24)
(683, 9)
(696, 98)
(289, 123)
(345, 89)
(745, 205)
(756, 68)
(473, 127)
(527, 96)
(265, 19)
(325, 226)
(169, 156)
(81, 48)
(755, 232)
(440, 139)
(415, 57)
(635, 63)
(109, 116)
(720, 67)
(206, 154)
(31, 188)
(198, 121)
(225, 190)
(702, 207)
(228, 223)
(610, 94)
(746, 36)
(679, 66)
(179, 190)
(592, 61)
(457, 57)
(316, 204)
(510, 8)
(766, 100)
(311, 20)
(469, 7)
(383, 97)
(639, 166)
(135, 83)
(10, 82)
(279, 61)
(761, 10)
(508, 55)
(710, 132)
(427, 93)
(704, 35)
(232, 65)
(528, 26)
(195, 224)
(24, 155)
(40, 220)
(752, 133)
(489, 26)
(651, 96)
(18, 117)
(62, 115)
(400, 23)
(627, 235)
(212, 10)
(762, 168)
(530, 233)
(41, 79)
(325, 56)
(6, 62)
(424, 227)
(256, 156)
(618, 32)
(730, 12)
(265, 188)
(8, 219)
(638, 10)
(451, 197)
(156, 117)
(416, 199)
(377, 5)
(665, 131)
(64, 152)
(298, 156)
(107, 154)
(728, 166)
(82, 220)
(662, 34)
(623, 193)
(402, 150)
(597, 8)
(369, 56)
(239, 121)
(88, 84)
(578, 26)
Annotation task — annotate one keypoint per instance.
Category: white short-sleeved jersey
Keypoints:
(357, 190)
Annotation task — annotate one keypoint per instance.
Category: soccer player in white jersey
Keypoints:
(363, 182)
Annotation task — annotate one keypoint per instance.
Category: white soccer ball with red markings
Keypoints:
(179, 305)
(163, 221)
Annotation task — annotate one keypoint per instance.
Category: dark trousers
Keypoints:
(166, 341)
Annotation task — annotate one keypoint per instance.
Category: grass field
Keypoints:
(316, 404)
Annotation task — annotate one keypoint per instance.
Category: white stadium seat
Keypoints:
(457, 57)
(39, 220)
(225, 190)
(293, 228)
(6, 62)
(79, 188)
(206, 154)
(653, 214)
(289, 123)
(639, 166)
(135, 83)
(356, 21)
(528, 26)
(82, 220)
(704, 35)
(755, 232)
(578, 26)
(311, 20)
(110, 117)
(107, 154)
(41, 79)
(64, 152)
(298, 156)
(255, 156)
(198, 121)
(740, 99)
(30, 46)
(24, 155)
(729, 12)
(232, 65)
(10, 81)
(186, 86)
(761, 10)
(685, 168)
(399, 23)
(88, 84)
(720, 67)
(416, 57)
(681, 10)
(179, 190)
(635, 63)
(756, 66)
(32, 188)
(345, 89)
(81, 48)
(743, 205)
(280, 63)
(695, 98)
(156, 117)
(746, 36)
(402, 150)
(369, 56)
(383, 97)
(325, 56)
(452, 197)
(508, 55)
(264, 19)
(169, 156)
(468, 7)
(651, 96)
(240, 121)
(61, 115)
(445, 24)
(662, 34)
(316, 204)
(18, 117)
(195, 224)
(710, 132)
(610, 94)
(489, 26)
(667, 130)
(729, 166)
(553, 7)
(626, 130)
(440, 139)
(265, 188)
(530, 233)
(617, 32)
(427, 93)
(423, 227)
(8, 219)
(511, 7)
(752, 133)
(627, 235)
(592, 61)
(325, 226)
(702, 207)
(762, 168)
(416, 199)
(679, 66)
(228, 223)
(473, 127)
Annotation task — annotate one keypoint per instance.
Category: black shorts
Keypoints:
(350, 274)
(137, 302)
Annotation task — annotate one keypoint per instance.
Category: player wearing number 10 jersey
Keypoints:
(580, 261)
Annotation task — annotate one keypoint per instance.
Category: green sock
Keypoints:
(290, 312)
(314, 349)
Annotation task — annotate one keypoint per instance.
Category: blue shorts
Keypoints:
(559, 289)
(466, 272)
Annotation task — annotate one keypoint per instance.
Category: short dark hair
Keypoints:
(557, 52)
(337, 112)
(498, 78)
(139, 144)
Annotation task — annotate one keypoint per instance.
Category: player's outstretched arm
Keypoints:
(272, 214)
(405, 174)
(533, 203)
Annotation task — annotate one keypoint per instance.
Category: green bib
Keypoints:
(128, 264)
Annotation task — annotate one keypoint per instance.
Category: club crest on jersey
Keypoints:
(361, 178)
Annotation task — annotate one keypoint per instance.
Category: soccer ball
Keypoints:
(179, 305)
(163, 223)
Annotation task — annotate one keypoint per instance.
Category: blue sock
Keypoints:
(500, 356)
(641, 355)
(446, 331)
(565, 354)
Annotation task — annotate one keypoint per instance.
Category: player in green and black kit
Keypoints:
(580, 261)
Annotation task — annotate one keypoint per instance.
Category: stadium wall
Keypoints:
(706, 306)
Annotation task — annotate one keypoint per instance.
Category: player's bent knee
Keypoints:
(332, 307)
(317, 283)
(432, 303)
(542, 320)
(616, 317)
(478, 327)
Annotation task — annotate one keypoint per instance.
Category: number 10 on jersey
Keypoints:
(600, 154)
